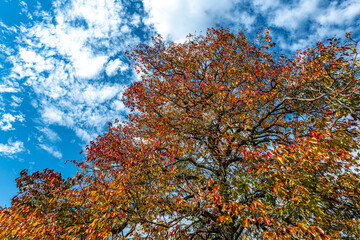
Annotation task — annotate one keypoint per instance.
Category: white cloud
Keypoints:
(35, 61)
(136, 20)
(340, 13)
(51, 151)
(118, 105)
(50, 134)
(64, 58)
(265, 5)
(5, 49)
(68, 41)
(24, 9)
(99, 94)
(104, 16)
(7, 119)
(86, 107)
(290, 17)
(242, 20)
(114, 66)
(85, 135)
(11, 148)
(307, 21)
(16, 101)
(87, 65)
(4, 89)
(52, 115)
(177, 18)
(11, 29)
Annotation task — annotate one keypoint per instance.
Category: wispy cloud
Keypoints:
(340, 13)
(4, 89)
(50, 134)
(292, 16)
(51, 150)
(16, 101)
(306, 22)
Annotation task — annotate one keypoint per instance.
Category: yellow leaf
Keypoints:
(245, 223)
(94, 222)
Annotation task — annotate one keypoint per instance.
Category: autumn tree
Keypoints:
(226, 140)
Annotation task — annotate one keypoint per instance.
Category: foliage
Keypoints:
(226, 140)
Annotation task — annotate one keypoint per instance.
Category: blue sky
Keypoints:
(63, 67)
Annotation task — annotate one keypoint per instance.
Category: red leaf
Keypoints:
(266, 220)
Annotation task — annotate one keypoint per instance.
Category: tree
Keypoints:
(226, 140)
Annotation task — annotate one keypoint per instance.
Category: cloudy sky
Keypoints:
(63, 69)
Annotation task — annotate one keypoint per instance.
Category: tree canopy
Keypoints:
(226, 140)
